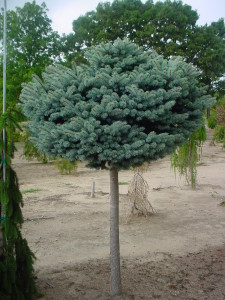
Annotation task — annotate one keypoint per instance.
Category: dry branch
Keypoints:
(138, 196)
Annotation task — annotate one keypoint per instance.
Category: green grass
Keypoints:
(222, 203)
(123, 183)
(31, 191)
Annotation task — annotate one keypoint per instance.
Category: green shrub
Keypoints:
(17, 278)
(18, 136)
(65, 166)
(219, 134)
(212, 119)
(217, 114)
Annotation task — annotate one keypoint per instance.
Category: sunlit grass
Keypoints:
(123, 183)
(31, 191)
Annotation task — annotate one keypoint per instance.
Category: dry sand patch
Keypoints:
(178, 253)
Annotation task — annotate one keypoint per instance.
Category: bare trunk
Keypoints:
(116, 287)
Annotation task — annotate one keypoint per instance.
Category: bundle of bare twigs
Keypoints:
(138, 195)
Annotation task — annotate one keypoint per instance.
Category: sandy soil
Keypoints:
(177, 253)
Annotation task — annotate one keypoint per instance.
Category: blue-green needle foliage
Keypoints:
(126, 107)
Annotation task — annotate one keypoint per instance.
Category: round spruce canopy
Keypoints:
(125, 107)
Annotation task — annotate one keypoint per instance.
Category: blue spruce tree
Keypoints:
(126, 107)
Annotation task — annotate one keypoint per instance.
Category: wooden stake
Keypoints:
(93, 190)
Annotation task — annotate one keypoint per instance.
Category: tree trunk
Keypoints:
(208, 113)
(116, 287)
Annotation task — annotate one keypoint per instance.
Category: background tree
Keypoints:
(169, 27)
(31, 46)
(125, 108)
(207, 51)
(219, 133)
(70, 50)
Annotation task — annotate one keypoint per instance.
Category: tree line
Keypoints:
(170, 28)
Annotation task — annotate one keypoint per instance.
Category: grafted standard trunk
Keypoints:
(116, 287)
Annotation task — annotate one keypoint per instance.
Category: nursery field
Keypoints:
(176, 253)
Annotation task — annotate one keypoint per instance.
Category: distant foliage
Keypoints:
(220, 113)
(30, 151)
(212, 119)
(169, 27)
(217, 114)
(219, 132)
(185, 158)
(31, 46)
(65, 166)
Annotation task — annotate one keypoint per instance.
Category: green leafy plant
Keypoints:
(185, 158)
(30, 151)
(65, 166)
(217, 114)
(212, 119)
(219, 132)
(16, 258)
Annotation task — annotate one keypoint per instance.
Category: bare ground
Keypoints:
(177, 253)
